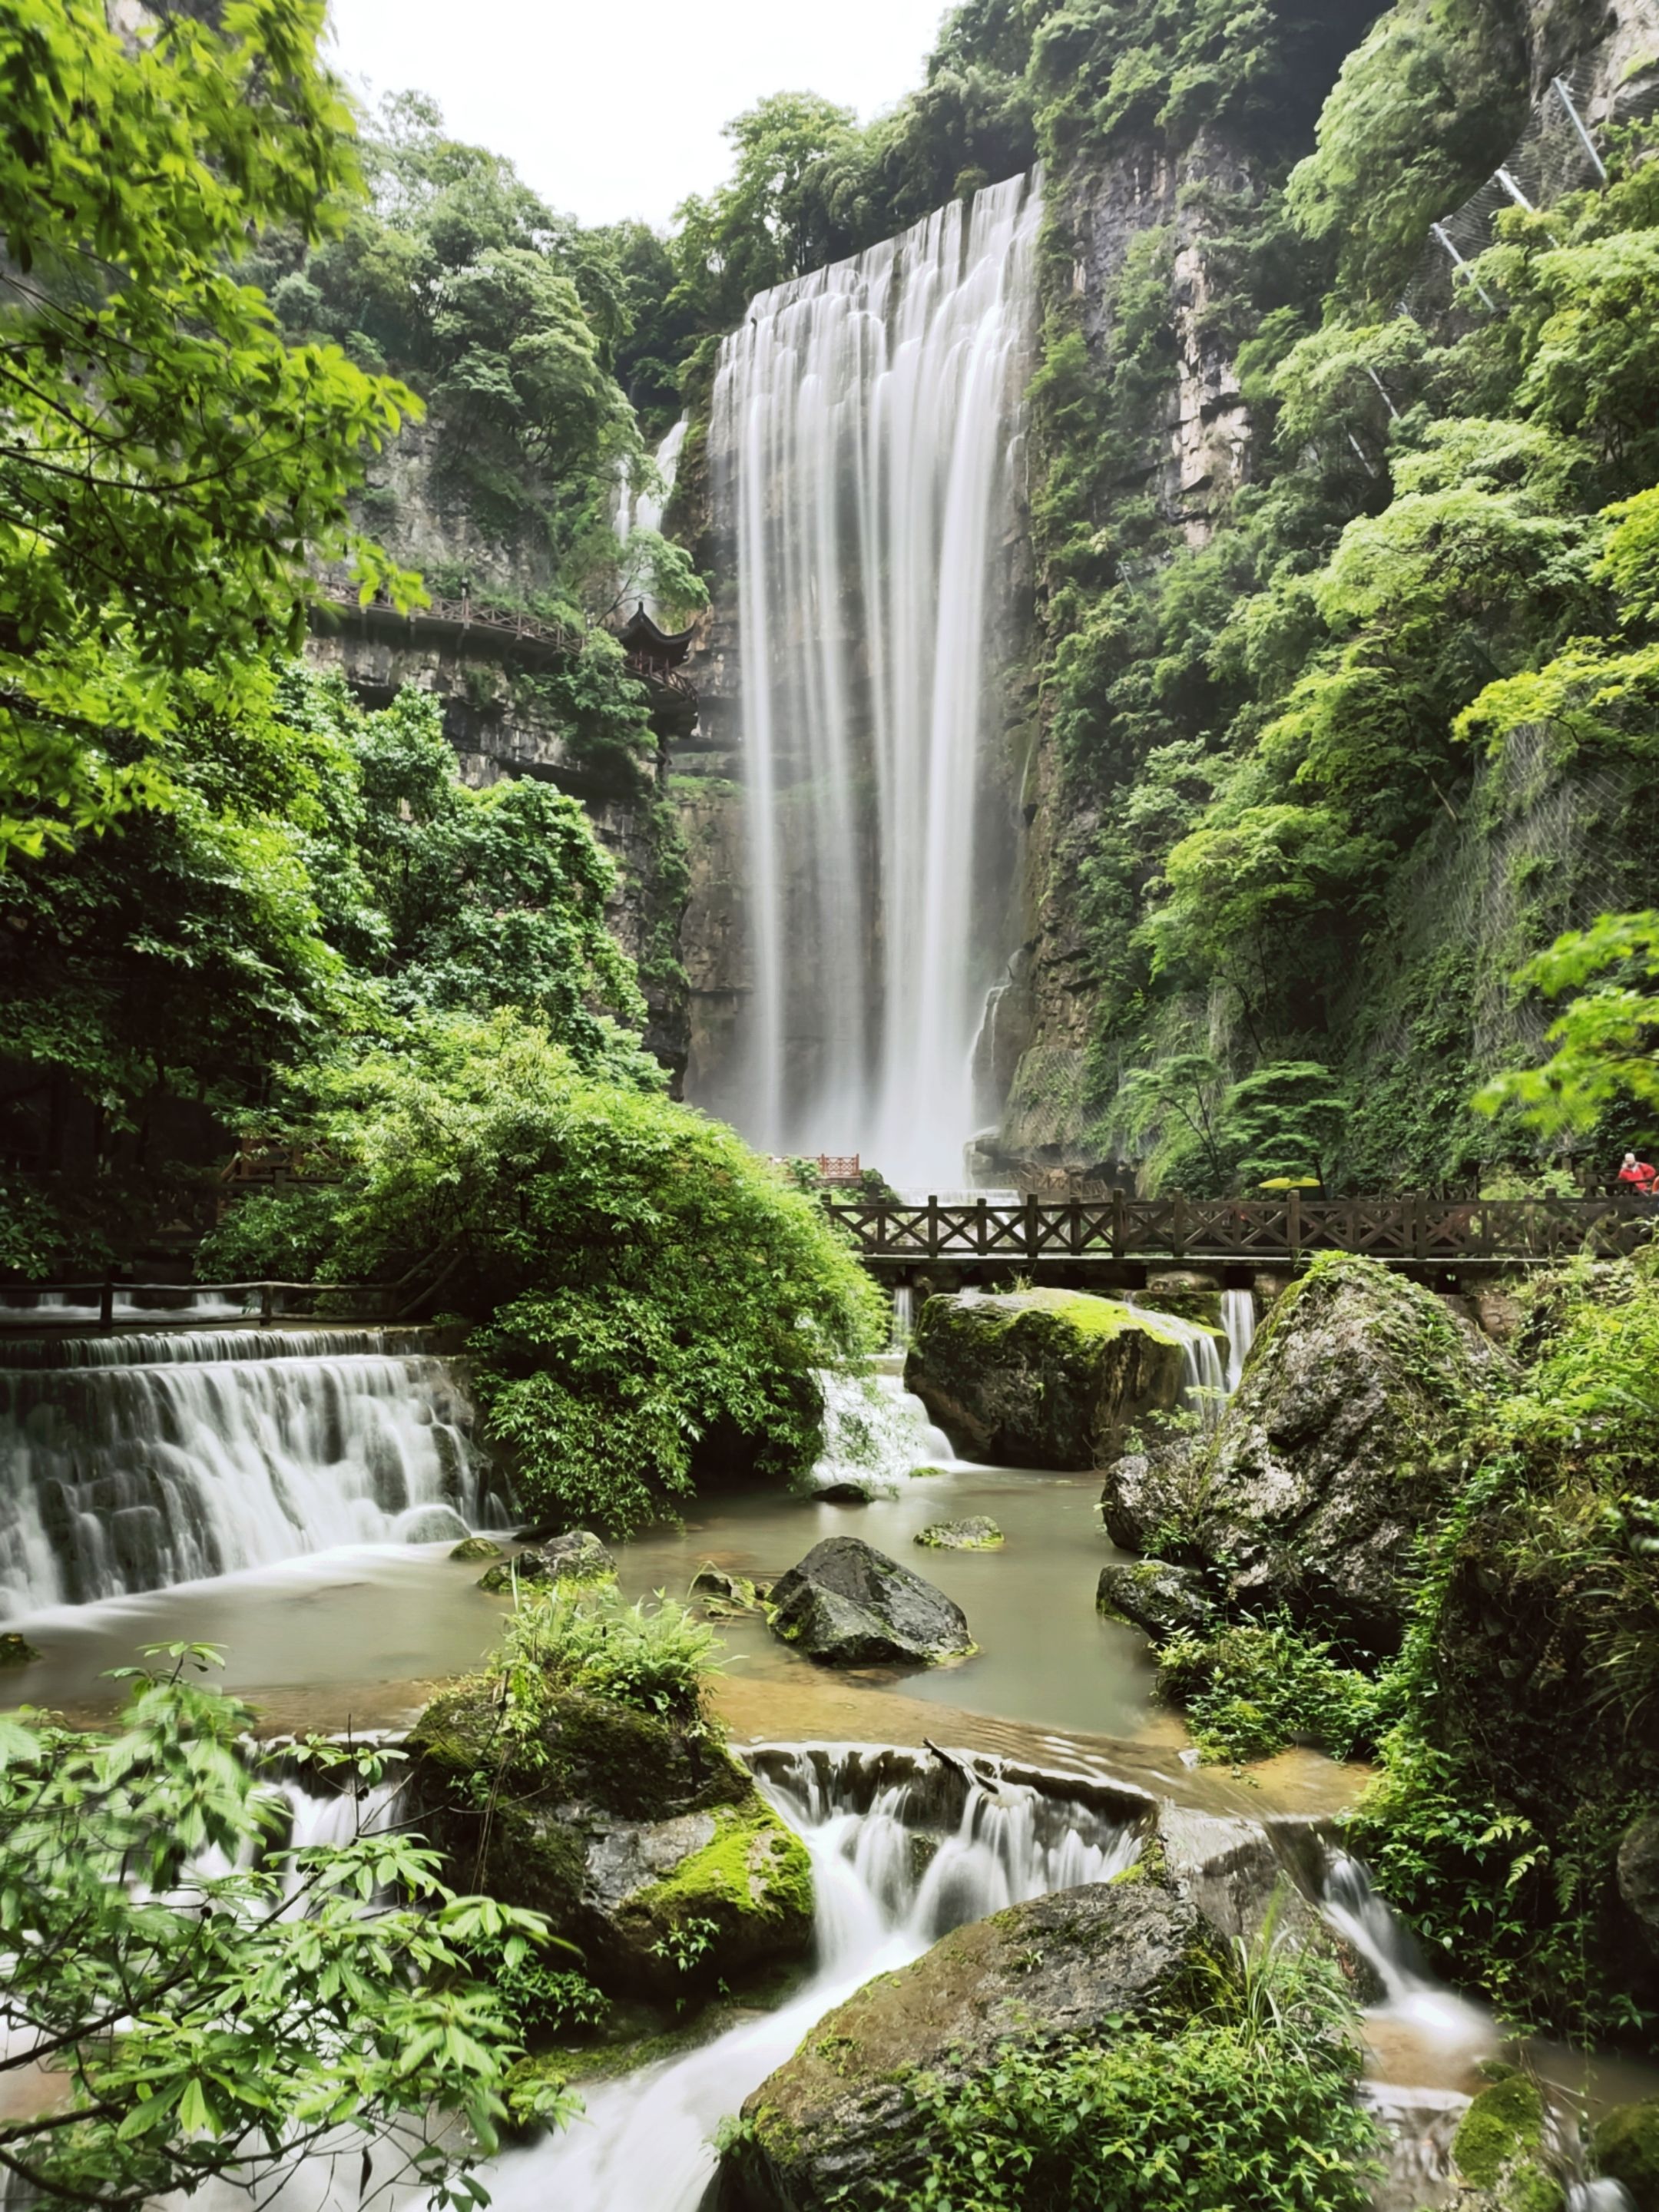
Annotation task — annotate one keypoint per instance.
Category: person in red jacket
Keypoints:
(1637, 1176)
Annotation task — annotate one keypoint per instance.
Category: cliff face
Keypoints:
(1152, 235)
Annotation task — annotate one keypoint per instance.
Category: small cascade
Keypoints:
(1238, 1320)
(134, 1462)
(644, 510)
(21, 1308)
(1418, 2010)
(1204, 1379)
(876, 1432)
(904, 1316)
(898, 1858)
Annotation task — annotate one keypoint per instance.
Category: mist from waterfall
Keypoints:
(867, 446)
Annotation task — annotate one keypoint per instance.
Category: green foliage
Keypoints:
(282, 1236)
(588, 1638)
(1249, 2107)
(204, 2023)
(1252, 1687)
(168, 462)
(1605, 1059)
(662, 1303)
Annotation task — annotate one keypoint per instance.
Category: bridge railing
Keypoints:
(1410, 1230)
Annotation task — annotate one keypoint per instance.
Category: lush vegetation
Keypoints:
(213, 2002)
(1244, 2103)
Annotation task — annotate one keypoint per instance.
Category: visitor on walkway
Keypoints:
(1638, 1175)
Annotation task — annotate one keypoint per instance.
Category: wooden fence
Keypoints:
(1402, 1231)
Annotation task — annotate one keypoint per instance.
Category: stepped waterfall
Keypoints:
(867, 447)
(135, 1462)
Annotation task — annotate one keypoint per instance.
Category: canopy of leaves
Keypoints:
(167, 461)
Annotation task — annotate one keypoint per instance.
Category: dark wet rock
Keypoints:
(843, 1493)
(642, 1839)
(1626, 2148)
(832, 2124)
(1238, 1877)
(1501, 2151)
(477, 1548)
(973, 1533)
(1339, 1447)
(576, 1557)
(16, 1650)
(1151, 1594)
(1187, 1295)
(849, 1605)
(1149, 1498)
(1638, 1874)
(1041, 1378)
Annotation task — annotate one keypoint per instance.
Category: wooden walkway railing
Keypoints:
(1402, 1231)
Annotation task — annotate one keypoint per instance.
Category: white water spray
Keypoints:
(1239, 1321)
(867, 441)
(883, 1896)
(644, 510)
(133, 1462)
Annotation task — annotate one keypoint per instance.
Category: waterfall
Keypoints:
(898, 1859)
(866, 441)
(132, 1462)
(644, 510)
(1432, 2014)
(1238, 1320)
(1205, 1382)
(876, 1433)
(904, 1316)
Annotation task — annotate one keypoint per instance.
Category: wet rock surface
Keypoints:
(643, 1840)
(973, 1533)
(1638, 1875)
(1041, 1378)
(849, 1605)
(1341, 1445)
(832, 2123)
(1152, 1594)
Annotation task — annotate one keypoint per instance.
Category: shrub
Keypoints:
(1251, 1688)
(653, 1658)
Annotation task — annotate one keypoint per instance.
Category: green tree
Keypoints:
(208, 2002)
(661, 1302)
(1605, 1059)
(167, 462)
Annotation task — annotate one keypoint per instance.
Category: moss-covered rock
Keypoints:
(1626, 2147)
(16, 1650)
(1341, 1444)
(644, 1842)
(833, 2124)
(577, 1556)
(1041, 1378)
(973, 1533)
(1499, 2151)
(473, 1548)
(1188, 1296)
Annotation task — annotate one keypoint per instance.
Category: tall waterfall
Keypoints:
(131, 1462)
(866, 441)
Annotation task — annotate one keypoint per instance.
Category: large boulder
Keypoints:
(834, 2123)
(1626, 2146)
(849, 1605)
(1041, 1378)
(642, 1839)
(1341, 1444)
(1502, 2152)
(1151, 1594)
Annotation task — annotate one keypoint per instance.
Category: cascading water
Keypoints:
(1238, 1321)
(132, 1462)
(867, 439)
(876, 1432)
(644, 510)
(896, 1863)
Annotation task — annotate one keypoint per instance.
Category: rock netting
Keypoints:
(849, 1605)
(1041, 1378)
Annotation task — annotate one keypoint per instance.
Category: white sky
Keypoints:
(613, 109)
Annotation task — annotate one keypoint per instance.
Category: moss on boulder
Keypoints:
(1499, 2150)
(577, 1556)
(849, 1605)
(973, 1533)
(833, 2125)
(1041, 1378)
(475, 1548)
(623, 1827)
(1626, 2145)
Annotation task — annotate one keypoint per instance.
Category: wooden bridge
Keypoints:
(1411, 1232)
